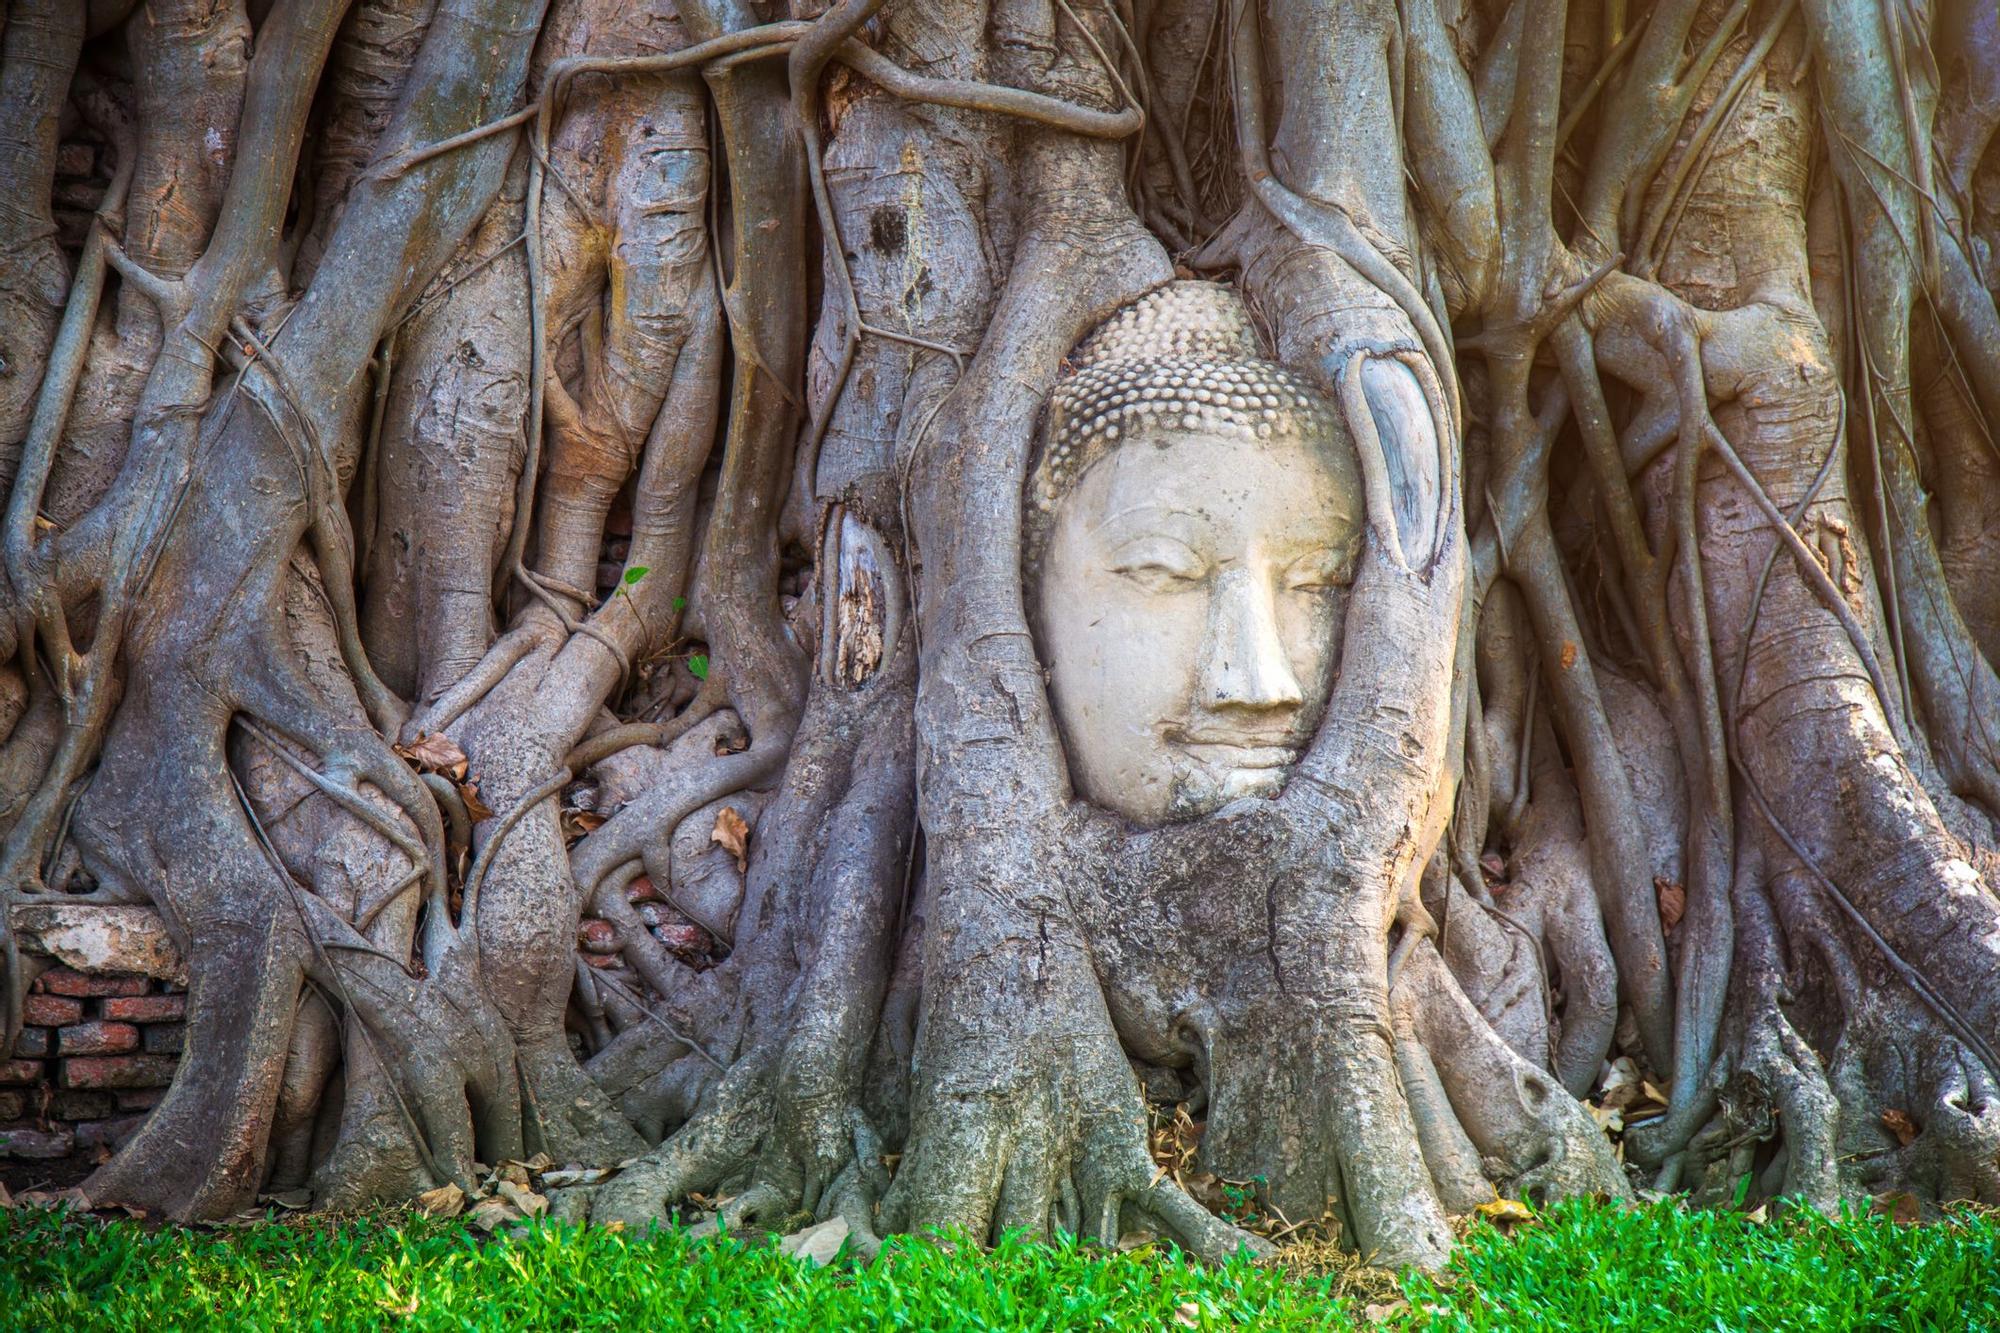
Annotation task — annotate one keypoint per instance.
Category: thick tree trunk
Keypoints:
(526, 539)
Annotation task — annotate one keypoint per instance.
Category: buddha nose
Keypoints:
(1244, 662)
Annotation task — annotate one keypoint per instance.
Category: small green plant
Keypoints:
(698, 664)
(630, 581)
(1239, 1201)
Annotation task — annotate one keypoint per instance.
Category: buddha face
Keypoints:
(1189, 607)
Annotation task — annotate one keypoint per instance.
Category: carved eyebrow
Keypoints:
(1331, 560)
(1133, 513)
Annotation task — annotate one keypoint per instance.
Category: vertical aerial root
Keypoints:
(1535, 1140)
(700, 1155)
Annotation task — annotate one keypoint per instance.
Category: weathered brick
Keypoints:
(97, 1037)
(164, 1038)
(99, 939)
(147, 1008)
(71, 1104)
(36, 1143)
(35, 1043)
(108, 1133)
(67, 981)
(118, 1071)
(16, 1073)
(51, 1011)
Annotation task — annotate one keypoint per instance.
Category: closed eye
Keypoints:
(1159, 563)
(1320, 571)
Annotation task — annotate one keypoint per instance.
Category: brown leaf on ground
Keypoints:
(72, 1196)
(576, 823)
(435, 754)
(529, 1203)
(817, 1245)
(490, 1215)
(1673, 902)
(475, 809)
(1900, 1207)
(1900, 1124)
(1505, 1210)
(447, 1200)
(734, 836)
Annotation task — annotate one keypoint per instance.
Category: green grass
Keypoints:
(1579, 1267)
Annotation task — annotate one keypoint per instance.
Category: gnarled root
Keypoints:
(1535, 1141)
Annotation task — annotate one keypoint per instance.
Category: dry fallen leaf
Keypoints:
(73, 1196)
(1901, 1207)
(1383, 1312)
(475, 809)
(1506, 1210)
(447, 1200)
(526, 1200)
(492, 1214)
(1900, 1124)
(1673, 902)
(734, 836)
(817, 1245)
(6, 1199)
(435, 754)
(1187, 1314)
(588, 1175)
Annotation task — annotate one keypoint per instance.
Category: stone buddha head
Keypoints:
(1192, 524)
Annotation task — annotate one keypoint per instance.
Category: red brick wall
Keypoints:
(95, 1054)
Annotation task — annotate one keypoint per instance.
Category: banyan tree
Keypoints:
(877, 611)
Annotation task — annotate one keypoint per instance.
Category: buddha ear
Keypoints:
(1395, 410)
